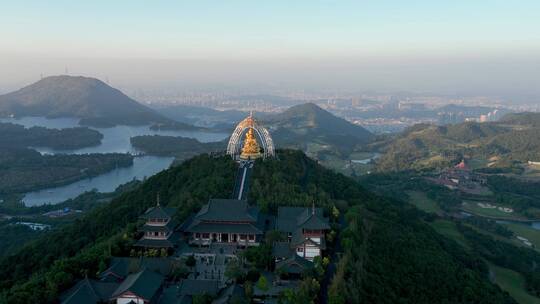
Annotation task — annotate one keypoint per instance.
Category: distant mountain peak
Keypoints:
(309, 123)
(90, 99)
(67, 82)
(70, 78)
(308, 107)
(323, 119)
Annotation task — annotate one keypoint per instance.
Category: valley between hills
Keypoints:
(433, 214)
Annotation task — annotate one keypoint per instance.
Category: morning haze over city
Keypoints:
(269, 152)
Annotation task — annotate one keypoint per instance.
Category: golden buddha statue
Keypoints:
(251, 149)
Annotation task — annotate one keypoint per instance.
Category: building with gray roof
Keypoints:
(305, 229)
(88, 291)
(227, 221)
(294, 266)
(159, 229)
(141, 287)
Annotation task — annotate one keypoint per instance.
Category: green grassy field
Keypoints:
(422, 202)
(345, 166)
(514, 284)
(473, 207)
(448, 229)
(509, 240)
(483, 191)
(477, 163)
(531, 171)
(534, 212)
(527, 232)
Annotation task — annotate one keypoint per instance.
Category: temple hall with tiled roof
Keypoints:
(227, 221)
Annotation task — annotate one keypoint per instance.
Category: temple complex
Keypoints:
(183, 263)
(463, 178)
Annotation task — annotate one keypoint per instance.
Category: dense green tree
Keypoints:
(259, 256)
(23, 169)
(76, 249)
(306, 293)
(390, 254)
(504, 254)
(190, 261)
(396, 238)
(262, 283)
(12, 135)
(234, 270)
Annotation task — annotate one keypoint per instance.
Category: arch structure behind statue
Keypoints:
(233, 148)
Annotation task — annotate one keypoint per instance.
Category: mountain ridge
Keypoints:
(523, 118)
(308, 125)
(89, 99)
(513, 140)
(316, 117)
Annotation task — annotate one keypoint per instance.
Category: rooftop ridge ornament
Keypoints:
(252, 129)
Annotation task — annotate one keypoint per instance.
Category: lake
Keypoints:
(115, 139)
(144, 166)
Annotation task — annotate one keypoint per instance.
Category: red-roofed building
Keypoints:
(462, 166)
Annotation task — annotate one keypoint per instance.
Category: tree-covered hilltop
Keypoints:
(90, 99)
(13, 135)
(388, 245)
(516, 139)
(308, 127)
(179, 147)
(14, 236)
(51, 264)
(511, 248)
(522, 119)
(392, 256)
(24, 169)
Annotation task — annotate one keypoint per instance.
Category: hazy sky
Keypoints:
(394, 45)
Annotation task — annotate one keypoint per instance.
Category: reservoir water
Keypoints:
(144, 166)
(115, 139)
